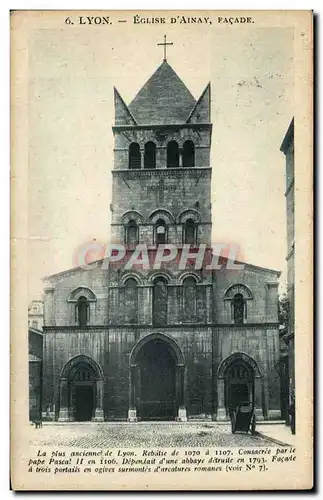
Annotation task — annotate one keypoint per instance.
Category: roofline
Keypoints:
(152, 74)
(260, 268)
(250, 266)
(35, 330)
(123, 102)
(199, 100)
(288, 137)
(161, 126)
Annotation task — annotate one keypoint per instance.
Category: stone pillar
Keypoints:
(221, 413)
(132, 412)
(98, 414)
(180, 392)
(63, 403)
(258, 399)
(142, 156)
(180, 157)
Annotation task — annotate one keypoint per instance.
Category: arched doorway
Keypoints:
(239, 384)
(157, 380)
(81, 391)
(239, 380)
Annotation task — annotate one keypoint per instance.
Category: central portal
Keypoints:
(157, 373)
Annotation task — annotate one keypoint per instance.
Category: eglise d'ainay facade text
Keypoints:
(168, 343)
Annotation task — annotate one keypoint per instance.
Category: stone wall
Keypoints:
(60, 346)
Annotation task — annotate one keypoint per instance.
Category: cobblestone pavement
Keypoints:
(128, 435)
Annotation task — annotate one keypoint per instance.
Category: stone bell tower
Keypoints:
(162, 175)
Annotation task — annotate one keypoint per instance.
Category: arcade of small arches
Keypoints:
(157, 391)
(161, 220)
(175, 156)
(160, 281)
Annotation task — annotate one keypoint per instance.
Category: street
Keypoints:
(143, 434)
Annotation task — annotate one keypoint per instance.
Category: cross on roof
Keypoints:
(165, 44)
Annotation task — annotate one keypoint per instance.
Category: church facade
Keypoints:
(156, 342)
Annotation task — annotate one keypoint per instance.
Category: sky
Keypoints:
(70, 81)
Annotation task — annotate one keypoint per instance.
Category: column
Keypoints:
(221, 413)
(132, 412)
(180, 157)
(142, 157)
(258, 399)
(98, 414)
(63, 408)
(180, 393)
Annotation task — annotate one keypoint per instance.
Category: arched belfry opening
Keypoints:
(81, 391)
(134, 156)
(172, 154)
(157, 379)
(188, 154)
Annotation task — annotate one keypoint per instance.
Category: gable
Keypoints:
(122, 113)
(201, 112)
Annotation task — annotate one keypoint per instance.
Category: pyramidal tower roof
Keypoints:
(164, 99)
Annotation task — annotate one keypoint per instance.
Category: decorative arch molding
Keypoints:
(189, 214)
(130, 275)
(82, 359)
(82, 291)
(238, 288)
(236, 356)
(132, 215)
(163, 214)
(159, 274)
(180, 361)
(189, 274)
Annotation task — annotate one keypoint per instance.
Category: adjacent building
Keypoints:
(35, 356)
(287, 148)
(36, 314)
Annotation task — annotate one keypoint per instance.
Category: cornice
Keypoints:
(106, 328)
(195, 172)
(173, 126)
